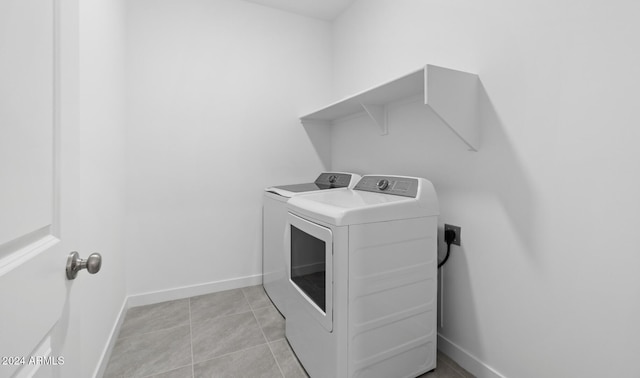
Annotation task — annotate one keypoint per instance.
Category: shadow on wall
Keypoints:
(499, 171)
(492, 197)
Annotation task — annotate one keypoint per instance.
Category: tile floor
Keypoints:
(234, 333)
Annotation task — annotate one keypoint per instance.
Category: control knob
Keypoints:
(383, 184)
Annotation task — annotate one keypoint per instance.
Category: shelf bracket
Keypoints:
(378, 113)
(453, 96)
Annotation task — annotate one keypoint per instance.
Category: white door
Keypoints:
(38, 111)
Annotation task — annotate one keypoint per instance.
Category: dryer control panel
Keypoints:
(395, 185)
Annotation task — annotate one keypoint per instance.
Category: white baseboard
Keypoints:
(193, 290)
(466, 360)
(106, 353)
(167, 295)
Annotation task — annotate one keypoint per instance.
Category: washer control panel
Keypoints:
(333, 180)
(399, 186)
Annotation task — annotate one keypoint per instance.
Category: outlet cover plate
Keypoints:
(456, 229)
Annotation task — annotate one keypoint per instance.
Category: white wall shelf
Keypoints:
(452, 95)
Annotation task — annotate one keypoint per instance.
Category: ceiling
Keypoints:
(322, 9)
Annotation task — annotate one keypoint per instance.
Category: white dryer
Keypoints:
(363, 266)
(274, 216)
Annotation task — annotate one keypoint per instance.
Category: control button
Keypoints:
(383, 184)
(333, 178)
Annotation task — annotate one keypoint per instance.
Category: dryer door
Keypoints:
(310, 266)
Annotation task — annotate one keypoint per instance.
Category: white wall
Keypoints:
(214, 92)
(546, 282)
(98, 299)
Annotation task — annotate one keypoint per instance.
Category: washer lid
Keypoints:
(326, 180)
(298, 188)
(344, 207)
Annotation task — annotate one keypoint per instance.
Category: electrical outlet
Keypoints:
(455, 229)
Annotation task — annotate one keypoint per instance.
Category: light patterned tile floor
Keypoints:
(234, 333)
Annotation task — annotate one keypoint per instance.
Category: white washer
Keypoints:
(274, 216)
(363, 265)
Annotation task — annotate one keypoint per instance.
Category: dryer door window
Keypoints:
(309, 266)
